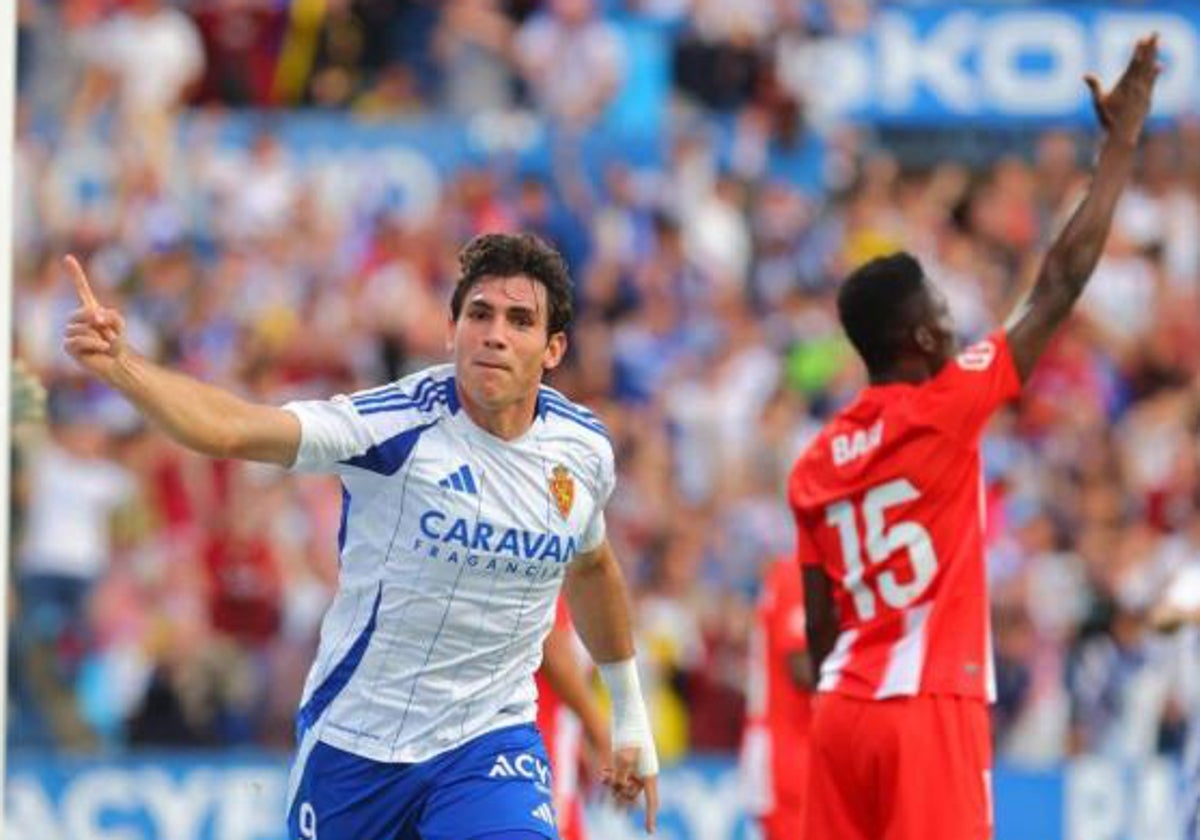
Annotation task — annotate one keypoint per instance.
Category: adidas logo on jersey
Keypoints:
(544, 813)
(520, 766)
(460, 480)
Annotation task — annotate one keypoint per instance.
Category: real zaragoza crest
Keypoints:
(562, 488)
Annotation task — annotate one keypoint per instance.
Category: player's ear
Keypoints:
(450, 324)
(556, 348)
(926, 340)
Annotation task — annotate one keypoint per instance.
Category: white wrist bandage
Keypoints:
(630, 722)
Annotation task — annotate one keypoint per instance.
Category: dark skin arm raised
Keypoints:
(1073, 256)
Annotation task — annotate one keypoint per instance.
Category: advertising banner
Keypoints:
(241, 797)
(943, 64)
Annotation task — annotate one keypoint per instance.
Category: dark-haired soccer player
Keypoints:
(471, 494)
(889, 511)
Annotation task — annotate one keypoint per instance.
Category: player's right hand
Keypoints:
(95, 336)
(628, 785)
(1122, 111)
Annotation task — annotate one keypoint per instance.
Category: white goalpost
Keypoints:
(8, 96)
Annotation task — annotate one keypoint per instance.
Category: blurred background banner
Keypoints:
(182, 797)
(406, 166)
(993, 63)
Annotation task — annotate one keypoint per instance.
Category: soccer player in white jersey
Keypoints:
(471, 494)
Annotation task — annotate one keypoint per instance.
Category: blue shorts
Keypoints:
(497, 785)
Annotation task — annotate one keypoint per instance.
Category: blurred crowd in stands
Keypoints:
(163, 599)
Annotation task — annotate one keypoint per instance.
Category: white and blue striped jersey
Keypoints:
(452, 548)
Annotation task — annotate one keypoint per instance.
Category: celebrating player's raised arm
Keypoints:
(202, 417)
(1074, 254)
(596, 593)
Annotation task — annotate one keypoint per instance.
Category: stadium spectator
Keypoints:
(572, 59)
(150, 57)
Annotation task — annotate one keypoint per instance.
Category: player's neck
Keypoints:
(507, 422)
(906, 371)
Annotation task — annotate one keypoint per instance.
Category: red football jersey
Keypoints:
(778, 711)
(889, 501)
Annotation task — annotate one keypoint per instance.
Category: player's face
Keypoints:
(940, 340)
(942, 325)
(501, 342)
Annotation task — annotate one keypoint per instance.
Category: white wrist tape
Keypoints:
(630, 722)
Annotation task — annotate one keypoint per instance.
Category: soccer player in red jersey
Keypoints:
(567, 716)
(778, 706)
(889, 511)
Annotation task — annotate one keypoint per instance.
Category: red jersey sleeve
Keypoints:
(807, 552)
(963, 396)
(787, 608)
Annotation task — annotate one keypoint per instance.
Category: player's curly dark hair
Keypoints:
(875, 306)
(510, 255)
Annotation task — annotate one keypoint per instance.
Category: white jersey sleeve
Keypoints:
(369, 428)
(606, 480)
(330, 431)
(583, 428)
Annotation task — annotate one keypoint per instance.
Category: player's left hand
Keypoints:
(627, 784)
(1122, 110)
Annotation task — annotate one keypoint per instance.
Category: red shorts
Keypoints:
(907, 768)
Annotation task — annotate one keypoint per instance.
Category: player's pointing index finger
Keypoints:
(651, 804)
(82, 289)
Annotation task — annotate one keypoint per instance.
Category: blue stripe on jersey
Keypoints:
(425, 399)
(336, 680)
(387, 457)
(391, 393)
(550, 395)
(551, 408)
(345, 519)
(400, 406)
(553, 401)
(438, 394)
(374, 393)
